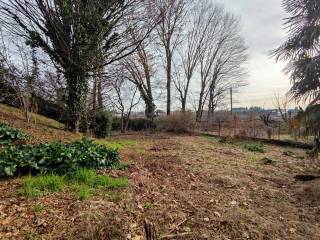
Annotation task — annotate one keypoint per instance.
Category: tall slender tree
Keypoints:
(221, 61)
(198, 28)
(173, 13)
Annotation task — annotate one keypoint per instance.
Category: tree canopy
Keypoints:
(301, 50)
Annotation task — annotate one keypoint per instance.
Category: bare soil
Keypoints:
(189, 187)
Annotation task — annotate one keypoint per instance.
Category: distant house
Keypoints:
(244, 112)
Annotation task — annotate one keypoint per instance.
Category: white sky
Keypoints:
(263, 30)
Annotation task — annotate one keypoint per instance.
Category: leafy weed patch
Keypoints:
(9, 135)
(253, 147)
(57, 158)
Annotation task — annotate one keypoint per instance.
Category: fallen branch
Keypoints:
(171, 236)
(178, 225)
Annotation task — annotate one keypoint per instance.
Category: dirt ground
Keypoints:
(188, 187)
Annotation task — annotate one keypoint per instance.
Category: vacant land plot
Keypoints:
(189, 187)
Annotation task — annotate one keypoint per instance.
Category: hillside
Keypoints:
(40, 130)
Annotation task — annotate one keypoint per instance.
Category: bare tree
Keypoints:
(138, 68)
(198, 29)
(125, 100)
(20, 79)
(169, 30)
(282, 105)
(221, 60)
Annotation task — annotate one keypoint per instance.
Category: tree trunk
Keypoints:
(99, 93)
(77, 87)
(122, 123)
(183, 105)
(150, 109)
(94, 96)
(169, 67)
(126, 125)
(200, 106)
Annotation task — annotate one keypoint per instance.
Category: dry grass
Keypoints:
(41, 129)
(192, 185)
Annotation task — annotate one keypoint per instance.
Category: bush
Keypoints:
(141, 124)
(9, 135)
(56, 157)
(255, 147)
(102, 124)
(178, 122)
(136, 124)
(116, 124)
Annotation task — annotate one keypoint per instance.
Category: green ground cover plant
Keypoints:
(56, 157)
(9, 135)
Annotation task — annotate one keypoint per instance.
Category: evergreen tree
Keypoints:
(301, 50)
(72, 33)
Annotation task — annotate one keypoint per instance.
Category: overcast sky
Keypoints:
(262, 24)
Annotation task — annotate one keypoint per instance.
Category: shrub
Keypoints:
(56, 157)
(116, 123)
(141, 124)
(102, 124)
(9, 135)
(136, 124)
(226, 139)
(178, 122)
(255, 147)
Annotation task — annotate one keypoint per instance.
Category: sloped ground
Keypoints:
(189, 187)
(40, 128)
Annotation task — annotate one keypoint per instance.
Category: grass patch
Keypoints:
(211, 138)
(149, 205)
(123, 166)
(38, 208)
(42, 185)
(116, 144)
(252, 158)
(115, 197)
(92, 179)
(84, 183)
(254, 147)
(83, 192)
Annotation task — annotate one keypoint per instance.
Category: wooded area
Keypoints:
(118, 120)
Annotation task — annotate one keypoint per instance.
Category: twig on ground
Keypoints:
(170, 236)
(178, 225)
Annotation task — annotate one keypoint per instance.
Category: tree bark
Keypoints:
(99, 95)
(77, 83)
(169, 80)
(150, 109)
